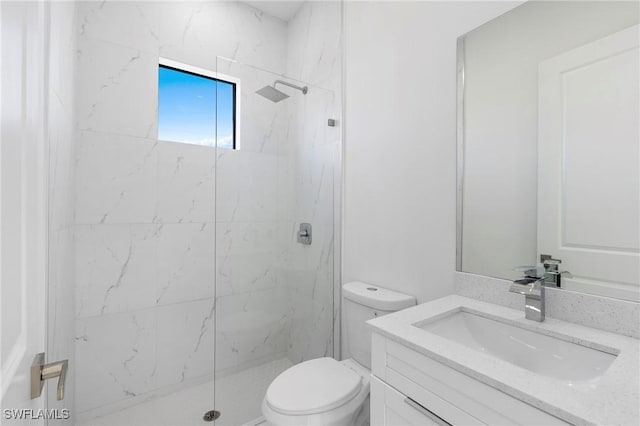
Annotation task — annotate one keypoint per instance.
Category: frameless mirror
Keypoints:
(548, 144)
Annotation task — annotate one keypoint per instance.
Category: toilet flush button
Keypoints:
(372, 289)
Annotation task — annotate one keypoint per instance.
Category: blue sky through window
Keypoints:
(187, 108)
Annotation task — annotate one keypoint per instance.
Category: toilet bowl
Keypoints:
(326, 392)
(320, 392)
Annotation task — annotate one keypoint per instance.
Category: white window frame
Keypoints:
(181, 66)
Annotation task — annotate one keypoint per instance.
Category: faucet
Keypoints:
(532, 285)
(553, 276)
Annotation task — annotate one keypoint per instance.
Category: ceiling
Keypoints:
(284, 10)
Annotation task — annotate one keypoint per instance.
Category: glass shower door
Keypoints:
(274, 295)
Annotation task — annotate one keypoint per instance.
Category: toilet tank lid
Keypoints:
(376, 297)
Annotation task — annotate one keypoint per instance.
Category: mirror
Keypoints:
(548, 144)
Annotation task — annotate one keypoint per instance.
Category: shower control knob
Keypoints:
(304, 234)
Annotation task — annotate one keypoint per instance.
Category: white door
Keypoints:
(589, 164)
(23, 208)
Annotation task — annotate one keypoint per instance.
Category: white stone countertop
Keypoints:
(613, 398)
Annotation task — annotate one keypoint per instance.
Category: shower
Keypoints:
(172, 220)
(275, 95)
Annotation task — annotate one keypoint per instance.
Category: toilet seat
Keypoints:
(312, 387)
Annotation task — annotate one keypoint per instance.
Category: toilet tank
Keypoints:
(360, 303)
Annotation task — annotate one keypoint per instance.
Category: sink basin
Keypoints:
(536, 352)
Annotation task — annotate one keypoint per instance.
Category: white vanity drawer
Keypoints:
(391, 408)
(453, 396)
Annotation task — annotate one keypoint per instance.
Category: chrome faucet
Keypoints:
(532, 285)
(553, 276)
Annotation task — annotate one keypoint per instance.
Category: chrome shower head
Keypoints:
(275, 95)
(271, 93)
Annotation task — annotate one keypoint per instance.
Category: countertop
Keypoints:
(613, 398)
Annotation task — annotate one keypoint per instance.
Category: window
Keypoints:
(196, 106)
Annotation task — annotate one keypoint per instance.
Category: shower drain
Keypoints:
(210, 416)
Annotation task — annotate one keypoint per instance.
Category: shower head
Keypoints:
(271, 93)
(275, 95)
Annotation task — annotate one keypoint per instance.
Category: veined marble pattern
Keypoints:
(185, 341)
(315, 55)
(129, 354)
(185, 262)
(260, 200)
(246, 187)
(315, 183)
(250, 327)
(124, 179)
(251, 318)
(116, 268)
(286, 189)
(116, 357)
(314, 44)
(311, 112)
(310, 317)
(116, 179)
(308, 273)
(118, 91)
(96, 20)
(247, 257)
(122, 268)
(309, 292)
(186, 185)
(230, 29)
(263, 114)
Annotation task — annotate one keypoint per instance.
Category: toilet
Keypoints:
(326, 392)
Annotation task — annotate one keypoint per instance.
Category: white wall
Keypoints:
(400, 143)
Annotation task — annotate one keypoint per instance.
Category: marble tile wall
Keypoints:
(314, 45)
(251, 319)
(61, 138)
(144, 267)
(312, 273)
(159, 223)
(146, 209)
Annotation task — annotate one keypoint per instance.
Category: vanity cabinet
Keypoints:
(409, 388)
